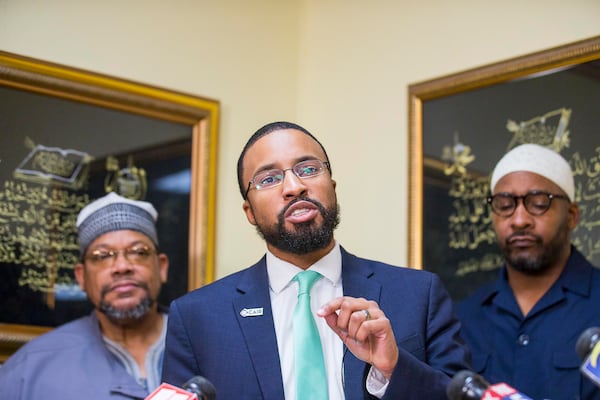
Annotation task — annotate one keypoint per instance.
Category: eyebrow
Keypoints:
(128, 246)
(272, 165)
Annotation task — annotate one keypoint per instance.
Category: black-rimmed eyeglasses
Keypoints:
(274, 177)
(536, 203)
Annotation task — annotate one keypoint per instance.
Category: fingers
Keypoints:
(351, 317)
(364, 329)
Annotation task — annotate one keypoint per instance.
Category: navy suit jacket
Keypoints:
(207, 334)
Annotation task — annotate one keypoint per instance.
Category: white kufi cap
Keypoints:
(537, 159)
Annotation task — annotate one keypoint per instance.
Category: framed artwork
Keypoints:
(462, 124)
(69, 136)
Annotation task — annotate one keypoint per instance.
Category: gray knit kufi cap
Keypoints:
(115, 213)
(537, 159)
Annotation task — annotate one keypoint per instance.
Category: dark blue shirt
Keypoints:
(535, 354)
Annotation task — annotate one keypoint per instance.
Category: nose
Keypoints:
(521, 218)
(292, 186)
(121, 264)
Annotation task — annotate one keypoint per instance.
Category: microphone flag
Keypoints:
(501, 391)
(170, 392)
(591, 366)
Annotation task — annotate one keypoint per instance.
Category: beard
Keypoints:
(544, 256)
(305, 237)
(122, 316)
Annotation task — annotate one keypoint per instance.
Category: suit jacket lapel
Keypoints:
(357, 282)
(259, 330)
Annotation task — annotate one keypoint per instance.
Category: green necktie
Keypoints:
(309, 365)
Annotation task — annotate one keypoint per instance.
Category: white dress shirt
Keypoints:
(284, 296)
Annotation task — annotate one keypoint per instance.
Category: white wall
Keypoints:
(357, 60)
(242, 53)
(338, 67)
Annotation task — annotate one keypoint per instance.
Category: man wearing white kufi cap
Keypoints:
(116, 352)
(539, 160)
(523, 328)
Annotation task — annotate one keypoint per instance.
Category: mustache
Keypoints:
(296, 200)
(109, 287)
(520, 235)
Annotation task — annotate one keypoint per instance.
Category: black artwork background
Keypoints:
(161, 147)
(478, 118)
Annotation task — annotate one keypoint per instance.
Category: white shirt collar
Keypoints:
(282, 272)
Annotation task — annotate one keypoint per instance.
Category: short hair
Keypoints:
(264, 131)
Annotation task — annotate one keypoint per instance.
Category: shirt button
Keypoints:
(523, 340)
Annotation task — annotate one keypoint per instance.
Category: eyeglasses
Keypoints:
(536, 203)
(274, 177)
(106, 258)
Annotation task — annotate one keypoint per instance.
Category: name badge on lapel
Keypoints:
(251, 312)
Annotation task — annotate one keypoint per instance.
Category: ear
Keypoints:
(163, 266)
(573, 216)
(334, 183)
(79, 270)
(249, 213)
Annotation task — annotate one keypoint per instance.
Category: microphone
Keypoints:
(201, 387)
(588, 349)
(467, 385)
(197, 388)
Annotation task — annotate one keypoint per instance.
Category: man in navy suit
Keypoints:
(386, 332)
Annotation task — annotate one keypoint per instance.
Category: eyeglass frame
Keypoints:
(283, 171)
(114, 255)
(515, 199)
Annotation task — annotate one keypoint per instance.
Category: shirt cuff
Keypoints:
(377, 383)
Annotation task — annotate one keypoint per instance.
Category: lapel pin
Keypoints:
(251, 312)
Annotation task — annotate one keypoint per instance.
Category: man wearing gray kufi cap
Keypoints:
(113, 212)
(116, 352)
(523, 328)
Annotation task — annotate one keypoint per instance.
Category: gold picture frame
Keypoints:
(87, 100)
(460, 124)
